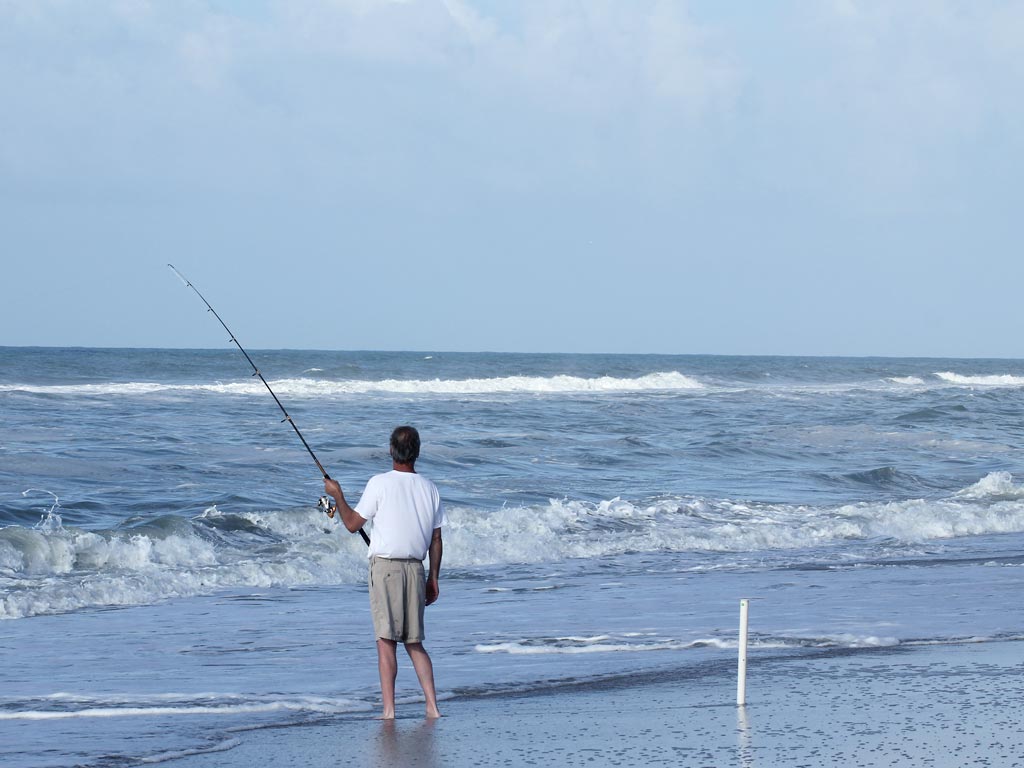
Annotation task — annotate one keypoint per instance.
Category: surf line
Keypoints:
(256, 372)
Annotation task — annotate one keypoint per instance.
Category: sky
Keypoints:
(840, 177)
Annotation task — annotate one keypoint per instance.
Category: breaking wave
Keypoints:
(64, 568)
(909, 381)
(56, 571)
(315, 388)
(573, 529)
(1004, 380)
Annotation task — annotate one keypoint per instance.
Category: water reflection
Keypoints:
(744, 751)
(398, 744)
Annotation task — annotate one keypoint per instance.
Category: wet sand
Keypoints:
(935, 706)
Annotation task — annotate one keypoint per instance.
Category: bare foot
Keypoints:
(386, 716)
(433, 712)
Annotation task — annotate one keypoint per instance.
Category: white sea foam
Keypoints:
(995, 486)
(521, 649)
(228, 706)
(970, 640)
(63, 570)
(910, 381)
(54, 572)
(847, 640)
(176, 754)
(1004, 380)
(573, 529)
(314, 388)
(562, 646)
(627, 643)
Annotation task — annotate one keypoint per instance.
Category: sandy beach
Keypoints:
(923, 706)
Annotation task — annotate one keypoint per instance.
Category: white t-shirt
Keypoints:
(405, 508)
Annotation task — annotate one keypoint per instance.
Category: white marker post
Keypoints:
(741, 672)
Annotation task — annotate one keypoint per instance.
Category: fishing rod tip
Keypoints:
(180, 276)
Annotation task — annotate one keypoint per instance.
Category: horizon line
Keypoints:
(880, 356)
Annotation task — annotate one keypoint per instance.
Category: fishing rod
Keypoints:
(324, 502)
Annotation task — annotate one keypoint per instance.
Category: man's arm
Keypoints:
(351, 519)
(435, 550)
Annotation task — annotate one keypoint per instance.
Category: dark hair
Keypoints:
(405, 445)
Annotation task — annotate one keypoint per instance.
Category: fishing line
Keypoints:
(256, 372)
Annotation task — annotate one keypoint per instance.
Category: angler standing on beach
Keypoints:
(407, 516)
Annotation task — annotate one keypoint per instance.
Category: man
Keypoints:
(407, 516)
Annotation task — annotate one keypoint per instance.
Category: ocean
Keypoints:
(167, 583)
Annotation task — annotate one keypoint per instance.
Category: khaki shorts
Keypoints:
(397, 596)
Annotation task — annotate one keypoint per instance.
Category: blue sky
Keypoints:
(830, 178)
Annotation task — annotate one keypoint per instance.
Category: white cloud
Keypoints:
(478, 29)
(208, 52)
(862, 94)
(606, 56)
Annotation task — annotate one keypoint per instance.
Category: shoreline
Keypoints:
(940, 706)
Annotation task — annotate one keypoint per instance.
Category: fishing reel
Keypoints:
(326, 503)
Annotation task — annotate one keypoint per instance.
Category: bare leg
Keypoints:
(425, 672)
(387, 663)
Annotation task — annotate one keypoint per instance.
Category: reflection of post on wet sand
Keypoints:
(406, 745)
(743, 748)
